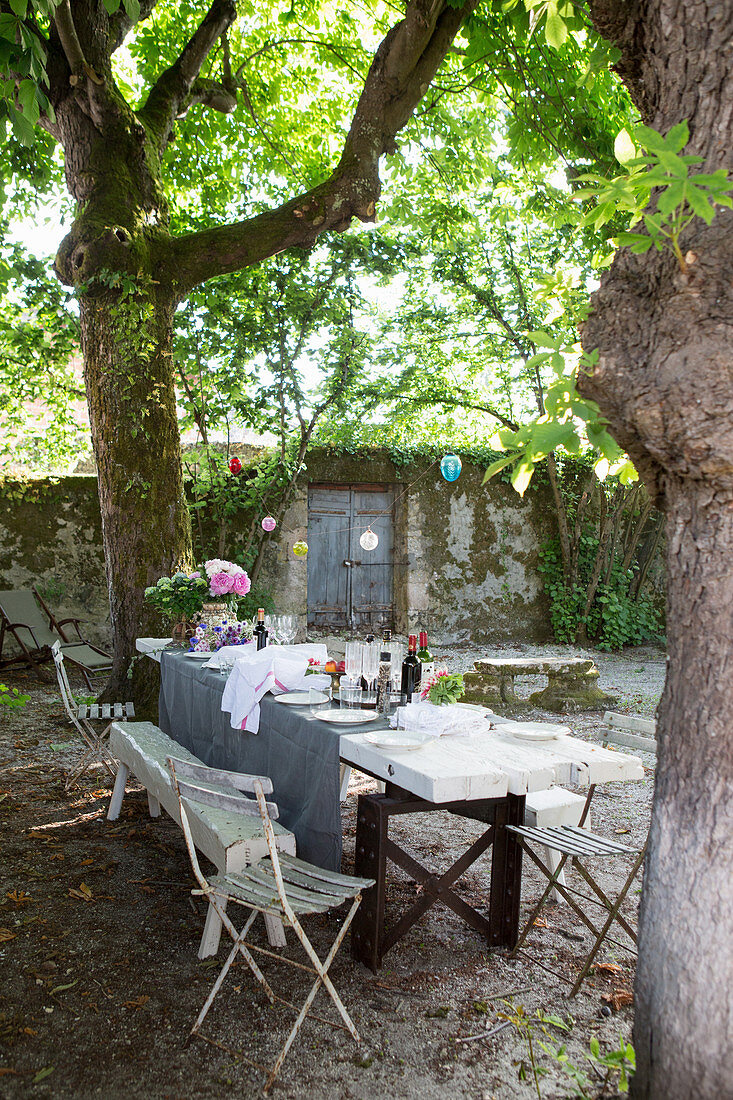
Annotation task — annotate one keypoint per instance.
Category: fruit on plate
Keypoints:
(341, 666)
(330, 666)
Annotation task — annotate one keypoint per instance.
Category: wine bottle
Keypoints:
(260, 631)
(411, 669)
(425, 658)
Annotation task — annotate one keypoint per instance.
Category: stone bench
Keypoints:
(230, 841)
(572, 684)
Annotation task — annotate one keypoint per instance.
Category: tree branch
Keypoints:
(399, 75)
(173, 87)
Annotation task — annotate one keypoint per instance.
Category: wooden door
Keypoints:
(349, 587)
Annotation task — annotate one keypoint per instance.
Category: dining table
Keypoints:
(484, 775)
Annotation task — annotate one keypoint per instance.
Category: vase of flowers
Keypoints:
(227, 582)
(208, 639)
(179, 598)
(443, 688)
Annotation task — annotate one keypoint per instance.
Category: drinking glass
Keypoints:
(288, 628)
(226, 662)
(350, 692)
(353, 660)
(319, 699)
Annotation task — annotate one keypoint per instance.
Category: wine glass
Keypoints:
(288, 628)
(353, 660)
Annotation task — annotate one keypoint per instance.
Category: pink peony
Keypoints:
(194, 576)
(221, 584)
(242, 584)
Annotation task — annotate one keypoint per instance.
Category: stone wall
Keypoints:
(466, 554)
(51, 537)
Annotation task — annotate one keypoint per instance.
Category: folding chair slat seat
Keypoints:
(576, 844)
(36, 630)
(81, 717)
(279, 885)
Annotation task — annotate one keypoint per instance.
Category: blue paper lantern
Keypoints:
(450, 467)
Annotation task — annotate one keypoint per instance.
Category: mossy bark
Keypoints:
(145, 523)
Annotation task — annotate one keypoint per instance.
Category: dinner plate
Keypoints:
(533, 731)
(398, 739)
(197, 655)
(347, 716)
(301, 698)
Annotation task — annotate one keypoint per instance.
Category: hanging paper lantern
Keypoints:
(369, 541)
(450, 467)
(235, 465)
(300, 549)
(269, 523)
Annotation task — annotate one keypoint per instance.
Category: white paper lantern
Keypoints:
(369, 541)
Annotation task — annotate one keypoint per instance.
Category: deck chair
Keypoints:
(21, 616)
(82, 716)
(575, 844)
(280, 885)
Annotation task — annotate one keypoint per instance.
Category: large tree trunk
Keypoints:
(665, 381)
(145, 524)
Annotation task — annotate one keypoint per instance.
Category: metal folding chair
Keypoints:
(576, 844)
(82, 716)
(280, 885)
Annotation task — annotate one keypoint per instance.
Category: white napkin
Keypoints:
(276, 669)
(248, 652)
(452, 720)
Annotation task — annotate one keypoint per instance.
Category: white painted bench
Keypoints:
(630, 731)
(231, 841)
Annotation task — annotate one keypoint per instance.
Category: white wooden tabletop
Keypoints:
(488, 765)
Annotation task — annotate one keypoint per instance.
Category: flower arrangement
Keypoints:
(226, 579)
(444, 687)
(231, 632)
(184, 594)
(178, 597)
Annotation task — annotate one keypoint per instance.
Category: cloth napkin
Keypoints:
(276, 669)
(248, 652)
(452, 720)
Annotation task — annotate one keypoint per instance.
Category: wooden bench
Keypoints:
(629, 731)
(572, 684)
(230, 841)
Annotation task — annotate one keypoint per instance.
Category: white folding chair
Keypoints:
(280, 885)
(81, 717)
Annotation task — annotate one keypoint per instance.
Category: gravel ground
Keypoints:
(99, 991)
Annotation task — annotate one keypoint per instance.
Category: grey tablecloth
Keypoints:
(299, 753)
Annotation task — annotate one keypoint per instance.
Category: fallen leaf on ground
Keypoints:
(83, 893)
(86, 862)
(60, 988)
(623, 830)
(142, 1000)
(6, 1069)
(608, 968)
(618, 998)
(42, 1074)
(57, 855)
(6, 934)
(539, 923)
(19, 897)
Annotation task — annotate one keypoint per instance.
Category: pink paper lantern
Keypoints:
(269, 523)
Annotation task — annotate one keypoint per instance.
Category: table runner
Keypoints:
(299, 753)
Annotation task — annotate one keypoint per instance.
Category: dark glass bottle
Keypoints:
(411, 670)
(260, 631)
(425, 657)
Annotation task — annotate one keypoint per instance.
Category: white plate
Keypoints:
(533, 731)
(300, 698)
(198, 655)
(400, 739)
(347, 716)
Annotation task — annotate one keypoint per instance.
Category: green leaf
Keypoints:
(496, 467)
(22, 127)
(132, 7)
(698, 200)
(522, 475)
(111, 6)
(678, 136)
(20, 7)
(542, 340)
(43, 1074)
(623, 147)
(556, 31)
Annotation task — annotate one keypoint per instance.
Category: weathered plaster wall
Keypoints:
(465, 553)
(51, 537)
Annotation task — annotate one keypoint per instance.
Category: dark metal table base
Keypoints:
(370, 941)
